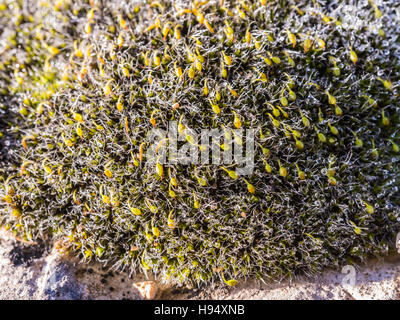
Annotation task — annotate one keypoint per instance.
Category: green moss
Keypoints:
(89, 82)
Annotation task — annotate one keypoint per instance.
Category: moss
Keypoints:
(90, 80)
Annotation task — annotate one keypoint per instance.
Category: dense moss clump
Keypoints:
(83, 82)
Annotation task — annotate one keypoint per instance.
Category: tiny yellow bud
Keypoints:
(88, 28)
(353, 56)
(78, 117)
(191, 73)
(108, 173)
(159, 170)
(79, 131)
(125, 72)
(227, 59)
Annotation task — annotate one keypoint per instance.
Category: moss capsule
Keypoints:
(353, 56)
(282, 170)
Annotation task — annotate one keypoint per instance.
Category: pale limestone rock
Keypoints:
(147, 289)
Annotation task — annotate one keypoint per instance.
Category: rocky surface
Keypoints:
(33, 271)
(36, 271)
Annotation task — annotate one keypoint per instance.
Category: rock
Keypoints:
(58, 281)
(35, 271)
(147, 289)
